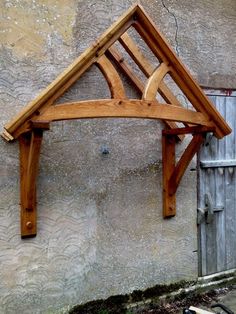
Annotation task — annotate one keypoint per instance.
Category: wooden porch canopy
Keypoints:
(28, 126)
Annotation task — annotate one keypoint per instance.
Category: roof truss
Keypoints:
(29, 124)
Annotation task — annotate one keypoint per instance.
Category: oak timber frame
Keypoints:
(28, 126)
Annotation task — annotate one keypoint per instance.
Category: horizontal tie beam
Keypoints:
(120, 108)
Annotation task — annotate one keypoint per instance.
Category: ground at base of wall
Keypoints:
(170, 305)
(225, 296)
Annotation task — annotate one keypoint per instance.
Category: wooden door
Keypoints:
(217, 194)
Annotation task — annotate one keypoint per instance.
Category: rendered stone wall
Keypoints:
(100, 225)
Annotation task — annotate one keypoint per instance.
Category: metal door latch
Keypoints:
(207, 213)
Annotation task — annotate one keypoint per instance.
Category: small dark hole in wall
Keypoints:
(105, 151)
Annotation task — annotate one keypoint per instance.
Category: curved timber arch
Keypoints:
(154, 81)
(28, 126)
(112, 77)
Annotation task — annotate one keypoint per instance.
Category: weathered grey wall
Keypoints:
(100, 227)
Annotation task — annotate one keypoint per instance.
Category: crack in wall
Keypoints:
(176, 25)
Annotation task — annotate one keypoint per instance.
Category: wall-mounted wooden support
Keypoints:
(172, 172)
(30, 144)
(168, 166)
(29, 124)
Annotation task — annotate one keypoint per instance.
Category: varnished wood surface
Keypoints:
(132, 108)
(138, 84)
(76, 69)
(138, 18)
(154, 81)
(112, 77)
(180, 74)
(168, 165)
(184, 161)
(29, 161)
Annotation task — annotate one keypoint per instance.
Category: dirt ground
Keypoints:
(174, 305)
(225, 296)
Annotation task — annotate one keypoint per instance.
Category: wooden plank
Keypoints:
(227, 150)
(133, 108)
(220, 191)
(189, 130)
(165, 53)
(220, 219)
(168, 165)
(218, 163)
(76, 69)
(7, 136)
(202, 251)
(154, 80)
(217, 177)
(112, 77)
(29, 160)
(184, 161)
(211, 247)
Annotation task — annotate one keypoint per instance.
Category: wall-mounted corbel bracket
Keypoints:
(30, 144)
(172, 171)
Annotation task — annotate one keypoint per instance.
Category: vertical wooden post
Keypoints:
(30, 144)
(168, 166)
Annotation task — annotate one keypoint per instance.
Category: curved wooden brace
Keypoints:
(112, 77)
(126, 108)
(154, 81)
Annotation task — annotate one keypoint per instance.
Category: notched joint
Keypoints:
(44, 125)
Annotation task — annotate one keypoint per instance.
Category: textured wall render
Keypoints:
(100, 227)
